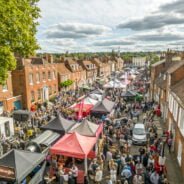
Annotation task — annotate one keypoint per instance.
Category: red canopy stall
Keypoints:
(82, 109)
(76, 146)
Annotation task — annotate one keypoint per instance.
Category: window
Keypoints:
(7, 128)
(49, 75)
(32, 96)
(179, 156)
(50, 90)
(44, 76)
(5, 87)
(181, 120)
(30, 78)
(37, 77)
(39, 94)
(1, 107)
(54, 74)
(55, 88)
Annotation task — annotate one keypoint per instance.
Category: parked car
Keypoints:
(139, 136)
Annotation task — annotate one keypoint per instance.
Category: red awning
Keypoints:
(74, 145)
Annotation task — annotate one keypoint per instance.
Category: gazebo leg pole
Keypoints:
(86, 165)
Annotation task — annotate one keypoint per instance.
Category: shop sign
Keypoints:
(7, 172)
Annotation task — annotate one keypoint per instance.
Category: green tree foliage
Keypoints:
(18, 22)
(66, 83)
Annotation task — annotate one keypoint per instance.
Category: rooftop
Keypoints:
(178, 89)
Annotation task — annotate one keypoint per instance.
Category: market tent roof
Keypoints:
(86, 128)
(115, 84)
(59, 125)
(84, 86)
(104, 106)
(85, 107)
(74, 145)
(96, 96)
(89, 100)
(23, 162)
(97, 91)
(129, 94)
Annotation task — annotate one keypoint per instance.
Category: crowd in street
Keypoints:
(115, 163)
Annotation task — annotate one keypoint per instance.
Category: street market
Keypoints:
(88, 137)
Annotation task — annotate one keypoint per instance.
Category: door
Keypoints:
(1, 107)
(7, 128)
(17, 105)
(45, 93)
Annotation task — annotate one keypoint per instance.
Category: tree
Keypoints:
(18, 22)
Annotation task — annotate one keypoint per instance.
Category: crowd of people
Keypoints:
(116, 163)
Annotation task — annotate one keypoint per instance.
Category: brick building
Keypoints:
(78, 73)
(103, 68)
(167, 81)
(8, 102)
(64, 74)
(119, 63)
(35, 79)
(176, 120)
(91, 70)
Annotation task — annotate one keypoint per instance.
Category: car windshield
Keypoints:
(138, 131)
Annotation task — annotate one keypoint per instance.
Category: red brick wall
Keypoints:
(177, 75)
(21, 84)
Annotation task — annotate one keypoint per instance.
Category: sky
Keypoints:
(103, 25)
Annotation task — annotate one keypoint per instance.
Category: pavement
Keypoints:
(174, 173)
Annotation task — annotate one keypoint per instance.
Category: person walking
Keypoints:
(169, 143)
(98, 175)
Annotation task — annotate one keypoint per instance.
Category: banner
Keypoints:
(38, 177)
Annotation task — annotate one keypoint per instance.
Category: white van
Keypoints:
(139, 135)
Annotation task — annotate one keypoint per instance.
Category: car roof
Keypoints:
(139, 125)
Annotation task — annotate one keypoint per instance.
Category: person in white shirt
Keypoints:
(113, 174)
(98, 175)
(108, 156)
(74, 171)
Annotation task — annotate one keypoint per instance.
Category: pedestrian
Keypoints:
(98, 175)
(169, 143)
(154, 178)
(74, 171)
(113, 174)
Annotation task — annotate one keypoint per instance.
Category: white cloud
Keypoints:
(90, 25)
(75, 30)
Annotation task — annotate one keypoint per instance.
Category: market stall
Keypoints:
(102, 108)
(81, 109)
(87, 128)
(74, 146)
(115, 84)
(128, 95)
(19, 166)
(59, 125)
(42, 143)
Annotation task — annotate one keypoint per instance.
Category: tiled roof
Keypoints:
(160, 82)
(175, 66)
(158, 63)
(178, 89)
(62, 69)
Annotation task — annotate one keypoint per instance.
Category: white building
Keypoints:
(139, 61)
